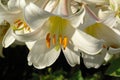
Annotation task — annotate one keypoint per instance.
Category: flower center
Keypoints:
(20, 25)
(57, 32)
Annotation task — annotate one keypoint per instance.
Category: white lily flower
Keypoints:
(8, 12)
(111, 18)
(110, 32)
(112, 12)
(109, 35)
(95, 61)
(106, 33)
(102, 58)
(106, 30)
(94, 5)
(11, 11)
(55, 31)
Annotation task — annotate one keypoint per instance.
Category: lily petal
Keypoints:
(40, 56)
(108, 18)
(49, 6)
(104, 14)
(101, 31)
(113, 5)
(73, 57)
(107, 57)
(112, 53)
(7, 8)
(8, 38)
(35, 16)
(10, 16)
(78, 18)
(114, 50)
(94, 60)
(32, 36)
(87, 43)
(83, 18)
(63, 8)
(110, 21)
(30, 44)
(12, 4)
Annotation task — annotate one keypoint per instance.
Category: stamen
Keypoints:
(60, 39)
(65, 42)
(54, 39)
(19, 24)
(26, 27)
(18, 20)
(48, 40)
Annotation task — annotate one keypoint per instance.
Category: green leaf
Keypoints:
(114, 68)
(35, 76)
(57, 75)
(77, 76)
(96, 76)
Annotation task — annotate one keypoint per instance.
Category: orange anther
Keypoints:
(28, 28)
(60, 39)
(65, 42)
(54, 39)
(18, 20)
(19, 24)
(48, 40)
(25, 25)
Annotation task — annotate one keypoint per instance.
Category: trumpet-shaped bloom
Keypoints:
(95, 60)
(12, 11)
(109, 35)
(112, 12)
(57, 30)
(109, 30)
(104, 32)
(111, 18)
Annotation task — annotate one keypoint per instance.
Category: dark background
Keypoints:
(14, 67)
